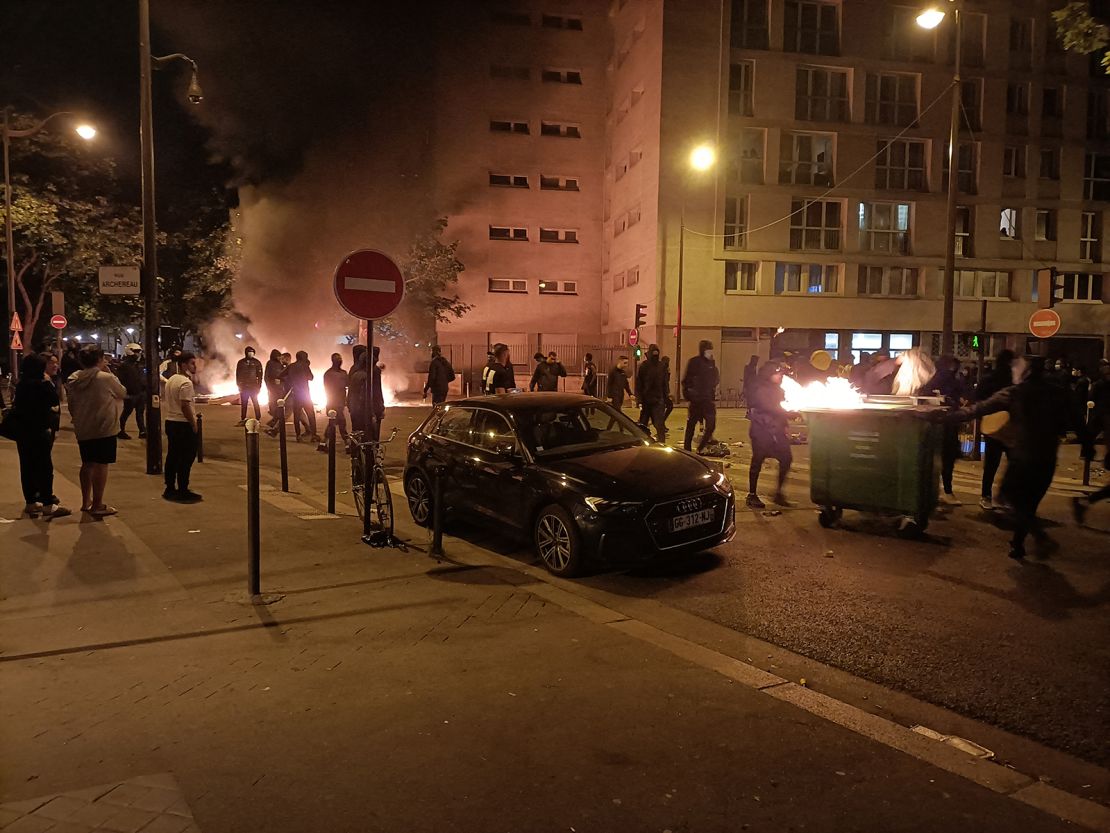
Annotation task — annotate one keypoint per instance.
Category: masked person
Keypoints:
(304, 411)
(274, 378)
(768, 432)
(249, 376)
(547, 374)
(335, 391)
(36, 411)
(651, 392)
(440, 376)
(699, 386)
(131, 374)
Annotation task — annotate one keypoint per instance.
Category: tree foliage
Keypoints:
(1080, 31)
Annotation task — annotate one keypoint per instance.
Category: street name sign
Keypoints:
(119, 280)
(368, 284)
(1044, 323)
(58, 322)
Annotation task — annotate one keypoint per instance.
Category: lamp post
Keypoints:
(930, 19)
(150, 244)
(7, 132)
(702, 159)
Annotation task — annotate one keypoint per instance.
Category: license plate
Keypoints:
(700, 518)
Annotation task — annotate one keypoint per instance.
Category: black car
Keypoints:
(575, 475)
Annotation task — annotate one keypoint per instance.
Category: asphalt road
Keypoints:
(949, 619)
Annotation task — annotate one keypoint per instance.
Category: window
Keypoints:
(558, 21)
(740, 276)
(510, 18)
(964, 230)
(635, 157)
(749, 24)
(1017, 99)
(1052, 103)
(747, 168)
(966, 168)
(508, 180)
(740, 85)
(891, 98)
(815, 225)
(633, 276)
(1046, 225)
(887, 281)
(1013, 161)
(884, 227)
(971, 102)
(561, 76)
(513, 73)
(1096, 177)
(618, 281)
(506, 126)
(736, 222)
(1098, 113)
(558, 235)
(568, 131)
(900, 165)
(806, 159)
(492, 433)
(869, 342)
(821, 94)
(974, 28)
(508, 233)
(1082, 287)
(507, 285)
(558, 287)
(455, 425)
(558, 183)
(1021, 42)
(1090, 234)
(983, 284)
(1050, 163)
(1009, 224)
(807, 279)
(904, 39)
(812, 27)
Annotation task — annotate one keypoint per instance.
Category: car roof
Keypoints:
(516, 402)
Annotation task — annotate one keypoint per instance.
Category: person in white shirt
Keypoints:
(181, 430)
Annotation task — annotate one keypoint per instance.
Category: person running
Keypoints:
(35, 410)
(768, 432)
(547, 374)
(651, 393)
(131, 374)
(304, 411)
(589, 376)
(181, 431)
(274, 377)
(440, 376)
(699, 386)
(249, 376)
(335, 392)
(1000, 377)
(95, 403)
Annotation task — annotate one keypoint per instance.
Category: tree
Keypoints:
(1081, 31)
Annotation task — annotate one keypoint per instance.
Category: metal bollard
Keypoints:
(437, 513)
(254, 535)
(282, 446)
(331, 462)
(1087, 438)
(200, 438)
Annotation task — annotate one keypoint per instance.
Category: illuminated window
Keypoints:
(807, 279)
(884, 227)
(1009, 224)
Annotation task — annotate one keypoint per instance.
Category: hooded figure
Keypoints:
(768, 431)
(35, 411)
(298, 376)
(548, 372)
(132, 376)
(699, 386)
(248, 377)
(440, 376)
(274, 378)
(651, 391)
(947, 384)
(336, 381)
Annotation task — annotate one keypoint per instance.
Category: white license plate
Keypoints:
(700, 518)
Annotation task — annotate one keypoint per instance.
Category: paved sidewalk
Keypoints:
(385, 691)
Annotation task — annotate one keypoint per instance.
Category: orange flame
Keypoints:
(833, 394)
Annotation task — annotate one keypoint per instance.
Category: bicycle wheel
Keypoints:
(358, 480)
(383, 502)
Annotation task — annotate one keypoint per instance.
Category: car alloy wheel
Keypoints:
(557, 542)
(419, 495)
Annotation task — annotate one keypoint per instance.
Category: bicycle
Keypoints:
(381, 502)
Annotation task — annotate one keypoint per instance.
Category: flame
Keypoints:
(835, 393)
(315, 389)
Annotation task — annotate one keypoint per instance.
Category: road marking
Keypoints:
(370, 285)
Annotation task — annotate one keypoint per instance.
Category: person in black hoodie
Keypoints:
(651, 392)
(336, 381)
(131, 374)
(548, 372)
(299, 375)
(36, 411)
(248, 378)
(1000, 377)
(699, 386)
(440, 376)
(947, 384)
(768, 432)
(589, 376)
(274, 377)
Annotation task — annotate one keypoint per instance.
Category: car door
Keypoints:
(448, 447)
(497, 469)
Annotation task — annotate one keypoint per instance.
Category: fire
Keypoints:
(315, 388)
(835, 393)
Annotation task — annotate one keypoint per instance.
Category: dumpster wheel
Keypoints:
(829, 515)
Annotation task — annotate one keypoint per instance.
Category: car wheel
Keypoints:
(558, 543)
(418, 492)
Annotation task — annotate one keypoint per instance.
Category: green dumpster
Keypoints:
(882, 458)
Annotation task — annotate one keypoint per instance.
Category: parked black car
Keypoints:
(579, 478)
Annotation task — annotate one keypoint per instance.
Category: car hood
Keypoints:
(637, 473)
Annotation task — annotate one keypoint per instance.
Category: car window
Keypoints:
(455, 425)
(491, 432)
(577, 429)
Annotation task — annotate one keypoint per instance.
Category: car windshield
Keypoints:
(575, 429)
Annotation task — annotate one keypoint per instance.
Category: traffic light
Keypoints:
(638, 352)
(1050, 287)
(641, 315)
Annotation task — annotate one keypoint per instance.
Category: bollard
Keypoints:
(200, 438)
(254, 536)
(331, 462)
(282, 446)
(437, 513)
(1088, 444)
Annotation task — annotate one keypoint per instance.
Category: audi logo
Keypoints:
(688, 505)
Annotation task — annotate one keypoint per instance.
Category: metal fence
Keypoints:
(470, 359)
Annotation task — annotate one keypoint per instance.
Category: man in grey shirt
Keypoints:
(95, 402)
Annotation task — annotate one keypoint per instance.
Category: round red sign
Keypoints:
(368, 284)
(1044, 323)
(633, 337)
(58, 322)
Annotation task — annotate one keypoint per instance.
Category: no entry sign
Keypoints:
(1044, 323)
(368, 284)
(58, 322)
(633, 337)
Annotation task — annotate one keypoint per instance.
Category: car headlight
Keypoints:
(723, 484)
(600, 504)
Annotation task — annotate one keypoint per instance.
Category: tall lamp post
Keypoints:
(931, 19)
(150, 244)
(7, 133)
(702, 158)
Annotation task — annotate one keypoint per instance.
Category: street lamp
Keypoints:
(930, 19)
(147, 62)
(7, 132)
(702, 158)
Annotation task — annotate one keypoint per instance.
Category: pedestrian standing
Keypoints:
(70, 363)
(36, 410)
(616, 385)
(440, 376)
(993, 449)
(768, 432)
(304, 411)
(668, 400)
(699, 386)
(356, 390)
(95, 403)
(651, 393)
(249, 376)
(132, 376)
(274, 378)
(499, 376)
(181, 431)
(548, 372)
(335, 394)
(377, 395)
(589, 376)
(946, 383)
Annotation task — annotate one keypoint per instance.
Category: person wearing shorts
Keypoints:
(95, 403)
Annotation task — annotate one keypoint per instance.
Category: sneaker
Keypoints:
(949, 499)
(755, 503)
(1017, 553)
(55, 510)
(1079, 509)
(322, 448)
(188, 496)
(170, 494)
(240, 423)
(123, 435)
(780, 499)
(986, 504)
(32, 510)
(142, 435)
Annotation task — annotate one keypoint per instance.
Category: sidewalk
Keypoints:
(385, 691)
